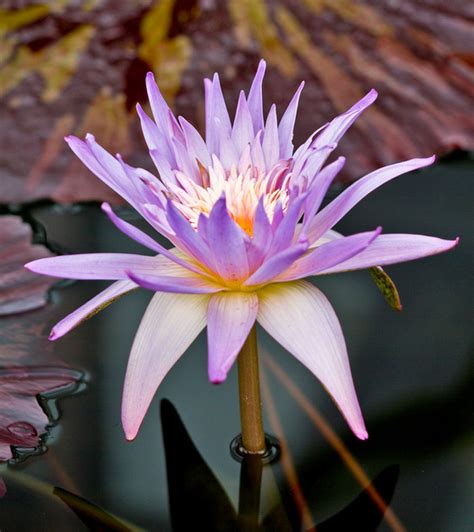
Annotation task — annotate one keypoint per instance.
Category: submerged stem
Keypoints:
(253, 438)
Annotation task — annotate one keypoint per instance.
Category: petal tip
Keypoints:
(362, 434)
(54, 335)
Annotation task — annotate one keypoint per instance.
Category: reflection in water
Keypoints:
(196, 495)
(24, 417)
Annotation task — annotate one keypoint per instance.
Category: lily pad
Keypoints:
(70, 68)
(20, 290)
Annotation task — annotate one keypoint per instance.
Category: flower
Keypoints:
(232, 206)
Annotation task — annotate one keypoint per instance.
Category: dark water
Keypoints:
(412, 370)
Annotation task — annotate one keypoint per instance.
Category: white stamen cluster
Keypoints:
(243, 191)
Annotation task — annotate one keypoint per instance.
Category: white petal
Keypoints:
(169, 326)
(302, 320)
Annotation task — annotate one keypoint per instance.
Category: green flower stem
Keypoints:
(253, 438)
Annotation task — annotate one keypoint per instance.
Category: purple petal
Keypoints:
(91, 308)
(394, 248)
(195, 144)
(284, 233)
(230, 317)
(154, 136)
(186, 237)
(163, 166)
(227, 243)
(272, 267)
(319, 187)
(302, 320)
(339, 207)
(191, 284)
(103, 266)
(287, 123)
(161, 111)
(169, 326)
(131, 231)
(111, 177)
(145, 240)
(339, 125)
(330, 254)
(215, 109)
(271, 144)
(242, 130)
(227, 153)
(255, 97)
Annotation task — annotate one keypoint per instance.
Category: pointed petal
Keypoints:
(195, 143)
(104, 266)
(230, 317)
(302, 320)
(163, 166)
(161, 111)
(188, 238)
(215, 109)
(330, 254)
(154, 137)
(169, 326)
(339, 125)
(108, 173)
(339, 207)
(242, 130)
(227, 243)
(273, 266)
(394, 248)
(255, 97)
(319, 187)
(131, 231)
(285, 231)
(287, 123)
(91, 308)
(184, 283)
(271, 143)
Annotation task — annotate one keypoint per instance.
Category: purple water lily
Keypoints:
(242, 210)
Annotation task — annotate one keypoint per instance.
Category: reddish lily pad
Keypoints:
(21, 290)
(69, 68)
(22, 420)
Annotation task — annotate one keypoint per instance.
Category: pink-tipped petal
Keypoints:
(287, 123)
(394, 248)
(339, 207)
(330, 254)
(169, 326)
(91, 308)
(302, 320)
(230, 317)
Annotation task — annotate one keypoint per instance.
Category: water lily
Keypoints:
(241, 209)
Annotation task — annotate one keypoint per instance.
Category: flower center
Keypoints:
(242, 192)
